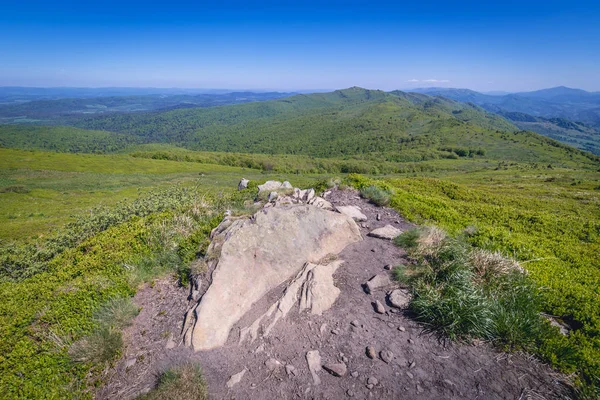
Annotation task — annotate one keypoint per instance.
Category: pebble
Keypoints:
(372, 381)
(272, 364)
(388, 267)
(337, 369)
(390, 325)
(355, 323)
(345, 359)
(378, 217)
(386, 356)
(335, 331)
(354, 374)
(290, 369)
(371, 352)
(350, 393)
(412, 364)
(420, 389)
(374, 250)
(369, 386)
(411, 376)
(401, 328)
(411, 341)
(379, 308)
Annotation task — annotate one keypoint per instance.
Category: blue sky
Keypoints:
(485, 45)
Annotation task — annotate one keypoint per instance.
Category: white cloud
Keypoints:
(436, 80)
(413, 80)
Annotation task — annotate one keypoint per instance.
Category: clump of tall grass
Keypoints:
(184, 382)
(104, 343)
(463, 292)
(377, 195)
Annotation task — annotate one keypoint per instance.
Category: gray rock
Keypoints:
(386, 356)
(286, 185)
(310, 194)
(420, 389)
(355, 323)
(269, 186)
(388, 232)
(321, 203)
(272, 364)
(369, 386)
(273, 196)
(235, 379)
(353, 212)
(399, 298)
(388, 267)
(401, 328)
(378, 217)
(243, 184)
(335, 331)
(336, 369)
(345, 359)
(379, 308)
(290, 369)
(354, 374)
(170, 343)
(379, 281)
(411, 376)
(313, 359)
(282, 240)
(350, 393)
(372, 381)
(371, 353)
(130, 362)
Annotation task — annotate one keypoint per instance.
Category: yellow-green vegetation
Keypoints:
(547, 219)
(183, 382)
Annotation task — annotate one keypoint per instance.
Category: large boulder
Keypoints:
(259, 254)
(270, 186)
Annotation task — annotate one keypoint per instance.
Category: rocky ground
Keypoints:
(376, 349)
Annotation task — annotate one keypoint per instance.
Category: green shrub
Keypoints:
(102, 345)
(184, 382)
(376, 195)
(116, 313)
(15, 189)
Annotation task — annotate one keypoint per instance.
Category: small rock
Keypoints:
(390, 325)
(386, 356)
(411, 341)
(350, 393)
(401, 329)
(379, 281)
(195, 295)
(345, 359)
(369, 386)
(335, 331)
(388, 267)
(399, 298)
(353, 212)
(388, 232)
(354, 374)
(290, 369)
(260, 349)
(323, 328)
(273, 196)
(130, 363)
(272, 364)
(355, 323)
(420, 389)
(313, 359)
(372, 381)
(371, 353)
(287, 185)
(412, 364)
(337, 369)
(448, 382)
(235, 379)
(243, 184)
(310, 194)
(379, 308)
(378, 217)
(374, 250)
(411, 376)
(170, 343)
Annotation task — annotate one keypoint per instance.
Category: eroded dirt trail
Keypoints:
(417, 365)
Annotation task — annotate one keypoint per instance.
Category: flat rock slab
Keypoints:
(399, 298)
(353, 212)
(379, 281)
(387, 232)
(260, 253)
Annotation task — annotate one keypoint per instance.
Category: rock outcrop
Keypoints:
(259, 253)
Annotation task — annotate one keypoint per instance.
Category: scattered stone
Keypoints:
(379, 308)
(378, 217)
(369, 386)
(390, 325)
(371, 353)
(420, 389)
(411, 376)
(401, 329)
(411, 341)
(379, 281)
(170, 343)
(353, 212)
(323, 328)
(273, 196)
(448, 382)
(335, 331)
(386, 356)
(195, 295)
(269, 186)
(388, 267)
(372, 381)
(235, 379)
(286, 185)
(412, 364)
(290, 369)
(260, 349)
(310, 194)
(243, 184)
(355, 323)
(388, 232)
(272, 364)
(345, 359)
(313, 359)
(354, 374)
(337, 369)
(374, 250)
(350, 393)
(130, 363)
(399, 298)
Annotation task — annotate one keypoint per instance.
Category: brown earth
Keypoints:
(423, 366)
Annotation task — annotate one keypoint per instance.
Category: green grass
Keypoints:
(182, 382)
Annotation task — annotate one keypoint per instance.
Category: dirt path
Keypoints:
(421, 367)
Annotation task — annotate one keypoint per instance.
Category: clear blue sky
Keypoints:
(484, 45)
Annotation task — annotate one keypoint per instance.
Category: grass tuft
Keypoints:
(377, 195)
(184, 382)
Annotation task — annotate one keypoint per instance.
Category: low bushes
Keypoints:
(377, 195)
(184, 382)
